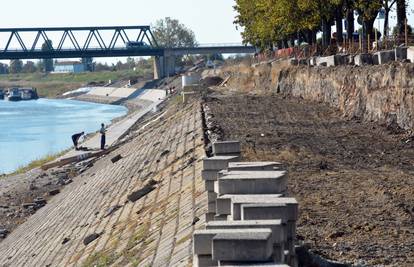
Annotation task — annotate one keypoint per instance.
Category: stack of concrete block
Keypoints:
(211, 167)
(223, 245)
(250, 219)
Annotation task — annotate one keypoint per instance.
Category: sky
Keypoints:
(211, 20)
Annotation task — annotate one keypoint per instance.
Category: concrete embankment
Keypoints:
(382, 94)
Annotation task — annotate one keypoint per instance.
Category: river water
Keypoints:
(30, 130)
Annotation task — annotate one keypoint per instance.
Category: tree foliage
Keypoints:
(16, 66)
(267, 23)
(171, 33)
(47, 63)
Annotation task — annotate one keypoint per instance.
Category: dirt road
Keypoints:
(354, 181)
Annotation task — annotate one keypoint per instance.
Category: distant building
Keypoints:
(69, 67)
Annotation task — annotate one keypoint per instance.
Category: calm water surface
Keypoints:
(30, 130)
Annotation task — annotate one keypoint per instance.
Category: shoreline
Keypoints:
(50, 157)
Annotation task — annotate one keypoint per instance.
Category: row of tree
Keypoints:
(274, 22)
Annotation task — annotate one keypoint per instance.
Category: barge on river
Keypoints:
(17, 94)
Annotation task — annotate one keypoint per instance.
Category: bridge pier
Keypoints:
(164, 66)
(159, 71)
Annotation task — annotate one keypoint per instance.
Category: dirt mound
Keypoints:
(354, 181)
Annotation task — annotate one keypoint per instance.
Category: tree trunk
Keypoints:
(339, 27)
(309, 37)
(326, 33)
(368, 31)
(401, 16)
(351, 24)
(387, 13)
(285, 43)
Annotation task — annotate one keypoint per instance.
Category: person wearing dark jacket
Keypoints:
(103, 138)
(75, 139)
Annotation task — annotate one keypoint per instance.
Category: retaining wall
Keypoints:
(382, 93)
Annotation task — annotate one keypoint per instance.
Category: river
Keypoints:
(30, 130)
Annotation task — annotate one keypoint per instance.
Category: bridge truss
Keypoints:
(76, 42)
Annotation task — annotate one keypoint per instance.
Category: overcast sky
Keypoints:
(211, 20)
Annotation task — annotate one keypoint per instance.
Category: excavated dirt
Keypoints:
(354, 180)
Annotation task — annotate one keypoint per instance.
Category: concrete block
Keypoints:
(260, 182)
(384, 57)
(269, 211)
(278, 227)
(312, 61)
(226, 147)
(202, 239)
(209, 175)
(253, 245)
(218, 162)
(209, 186)
(254, 166)
(211, 197)
(400, 53)
(302, 61)
(203, 261)
(219, 217)
(363, 59)
(410, 54)
(349, 60)
(330, 61)
(238, 200)
(224, 203)
(211, 207)
(210, 216)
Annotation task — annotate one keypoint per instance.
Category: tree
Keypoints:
(171, 33)
(3, 68)
(29, 67)
(47, 62)
(401, 16)
(102, 67)
(88, 63)
(368, 10)
(16, 66)
(387, 5)
(350, 18)
(130, 63)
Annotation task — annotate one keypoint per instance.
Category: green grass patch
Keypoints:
(39, 162)
(100, 259)
(84, 77)
(52, 85)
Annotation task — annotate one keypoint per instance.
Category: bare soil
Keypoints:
(354, 181)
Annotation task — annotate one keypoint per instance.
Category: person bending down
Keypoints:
(75, 139)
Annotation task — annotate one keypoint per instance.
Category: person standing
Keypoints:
(103, 138)
(75, 139)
